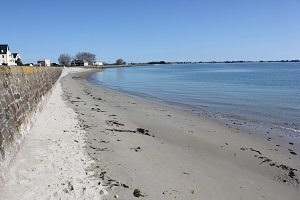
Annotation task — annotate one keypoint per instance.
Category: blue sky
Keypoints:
(140, 30)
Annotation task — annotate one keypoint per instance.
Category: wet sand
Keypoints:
(148, 150)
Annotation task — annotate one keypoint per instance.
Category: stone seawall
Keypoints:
(22, 90)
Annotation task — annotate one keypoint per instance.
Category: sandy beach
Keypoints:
(168, 153)
(52, 162)
(90, 142)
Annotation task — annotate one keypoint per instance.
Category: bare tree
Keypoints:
(86, 56)
(64, 59)
(120, 62)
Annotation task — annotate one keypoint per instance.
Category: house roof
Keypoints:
(15, 55)
(4, 48)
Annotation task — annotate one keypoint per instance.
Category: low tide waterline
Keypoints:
(264, 92)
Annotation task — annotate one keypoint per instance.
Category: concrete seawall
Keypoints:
(22, 90)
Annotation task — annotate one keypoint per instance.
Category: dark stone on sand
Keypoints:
(137, 193)
(293, 153)
(143, 131)
(124, 185)
(292, 174)
(137, 149)
(70, 186)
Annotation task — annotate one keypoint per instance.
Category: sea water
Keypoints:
(265, 92)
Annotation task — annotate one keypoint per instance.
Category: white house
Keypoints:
(79, 62)
(6, 57)
(98, 63)
(44, 63)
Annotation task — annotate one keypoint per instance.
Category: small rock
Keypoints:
(137, 193)
(137, 149)
(70, 186)
(293, 153)
(143, 131)
(124, 185)
(116, 196)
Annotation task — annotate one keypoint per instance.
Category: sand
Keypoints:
(52, 163)
(168, 153)
(141, 149)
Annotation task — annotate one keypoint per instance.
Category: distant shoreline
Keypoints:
(170, 63)
(213, 62)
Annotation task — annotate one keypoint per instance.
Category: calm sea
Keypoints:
(267, 92)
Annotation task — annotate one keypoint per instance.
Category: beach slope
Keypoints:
(150, 150)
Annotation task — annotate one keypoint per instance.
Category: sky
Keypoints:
(152, 30)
